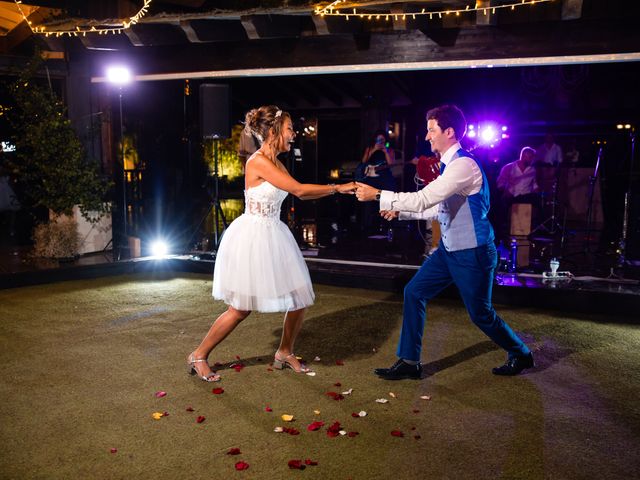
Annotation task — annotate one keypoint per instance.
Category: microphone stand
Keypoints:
(622, 244)
(592, 183)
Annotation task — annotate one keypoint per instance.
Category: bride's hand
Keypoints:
(348, 188)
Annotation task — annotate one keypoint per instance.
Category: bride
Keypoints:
(258, 264)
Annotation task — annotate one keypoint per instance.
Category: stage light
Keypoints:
(619, 126)
(159, 248)
(118, 75)
(504, 128)
(488, 134)
(471, 134)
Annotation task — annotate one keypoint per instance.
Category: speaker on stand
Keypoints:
(215, 124)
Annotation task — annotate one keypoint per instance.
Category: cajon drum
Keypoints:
(520, 219)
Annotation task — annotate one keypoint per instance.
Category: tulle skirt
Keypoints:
(259, 267)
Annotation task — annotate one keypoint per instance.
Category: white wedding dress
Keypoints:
(259, 265)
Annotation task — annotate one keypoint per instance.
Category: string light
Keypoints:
(331, 10)
(42, 30)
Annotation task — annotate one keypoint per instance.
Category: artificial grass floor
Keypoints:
(81, 362)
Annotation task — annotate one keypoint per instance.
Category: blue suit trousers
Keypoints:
(472, 270)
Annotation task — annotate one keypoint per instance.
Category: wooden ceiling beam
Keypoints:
(571, 9)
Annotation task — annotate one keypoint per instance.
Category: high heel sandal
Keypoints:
(191, 366)
(282, 363)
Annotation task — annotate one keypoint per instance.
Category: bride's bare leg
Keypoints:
(290, 329)
(223, 326)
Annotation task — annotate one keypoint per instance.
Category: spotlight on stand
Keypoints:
(120, 76)
(159, 249)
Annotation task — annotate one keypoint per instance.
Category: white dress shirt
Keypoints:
(461, 175)
(516, 181)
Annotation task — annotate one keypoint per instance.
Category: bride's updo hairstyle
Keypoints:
(259, 121)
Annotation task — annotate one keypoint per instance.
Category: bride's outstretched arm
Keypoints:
(264, 168)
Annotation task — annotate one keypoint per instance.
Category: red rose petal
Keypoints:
(397, 433)
(352, 434)
(165, 414)
(114, 450)
(335, 395)
(312, 427)
(160, 394)
(200, 419)
(237, 357)
(268, 409)
(413, 428)
(190, 409)
(269, 369)
(217, 365)
(308, 461)
(238, 367)
(337, 384)
(242, 466)
(234, 451)
(291, 431)
(339, 362)
(355, 415)
(416, 411)
(217, 391)
(296, 464)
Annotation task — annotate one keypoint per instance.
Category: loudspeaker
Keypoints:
(215, 110)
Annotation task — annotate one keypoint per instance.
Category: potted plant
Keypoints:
(50, 165)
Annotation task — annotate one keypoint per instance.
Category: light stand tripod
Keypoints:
(214, 203)
(218, 214)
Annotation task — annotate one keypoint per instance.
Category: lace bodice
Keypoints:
(264, 201)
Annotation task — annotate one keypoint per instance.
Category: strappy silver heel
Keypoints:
(282, 363)
(191, 367)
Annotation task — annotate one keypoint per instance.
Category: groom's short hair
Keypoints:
(449, 116)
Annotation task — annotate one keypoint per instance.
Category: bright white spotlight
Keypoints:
(471, 134)
(159, 248)
(118, 75)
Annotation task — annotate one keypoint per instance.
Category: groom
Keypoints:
(459, 199)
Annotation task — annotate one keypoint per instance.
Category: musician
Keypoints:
(517, 181)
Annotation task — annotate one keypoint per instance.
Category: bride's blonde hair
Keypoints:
(268, 118)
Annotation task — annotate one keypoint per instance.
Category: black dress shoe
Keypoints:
(515, 365)
(399, 371)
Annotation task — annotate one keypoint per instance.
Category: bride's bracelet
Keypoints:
(333, 188)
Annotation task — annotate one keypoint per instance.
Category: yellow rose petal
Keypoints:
(287, 418)
(317, 412)
(157, 415)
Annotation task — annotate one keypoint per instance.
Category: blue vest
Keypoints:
(463, 220)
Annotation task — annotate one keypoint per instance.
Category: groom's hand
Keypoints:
(365, 193)
(389, 214)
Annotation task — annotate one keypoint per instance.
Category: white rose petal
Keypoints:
(362, 413)
(426, 397)
(317, 359)
(382, 400)
(311, 374)
(278, 430)
(392, 395)
(348, 392)
(342, 432)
